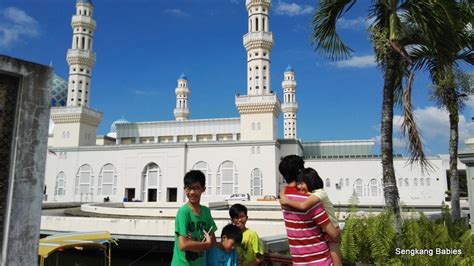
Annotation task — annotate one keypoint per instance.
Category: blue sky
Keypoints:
(142, 47)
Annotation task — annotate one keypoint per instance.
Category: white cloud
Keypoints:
(357, 62)
(145, 92)
(355, 23)
(15, 26)
(470, 101)
(399, 143)
(176, 12)
(293, 9)
(433, 123)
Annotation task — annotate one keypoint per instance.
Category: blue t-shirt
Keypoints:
(218, 257)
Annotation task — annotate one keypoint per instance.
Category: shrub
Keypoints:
(372, 239)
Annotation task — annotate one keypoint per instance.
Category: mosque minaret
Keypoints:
(80, 57)
(289, 106)
(258, 42)
(260, 108)
(181, 112)
(75, 124)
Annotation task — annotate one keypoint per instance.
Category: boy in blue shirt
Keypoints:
(224, 253)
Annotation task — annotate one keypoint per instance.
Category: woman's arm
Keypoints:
(300, 205)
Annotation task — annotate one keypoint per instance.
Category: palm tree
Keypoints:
(451, 93)
(451, 85)
(390, 36)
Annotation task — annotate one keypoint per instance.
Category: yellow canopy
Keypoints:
(46, 249)
(52, 243)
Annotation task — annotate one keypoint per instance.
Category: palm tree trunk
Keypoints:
(391, 195)
(453, 160)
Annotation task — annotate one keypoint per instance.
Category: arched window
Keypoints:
(328, 182)
(347, 182)
(84, 180)
(374, 188)
(60, 187)
(415, 182)
(256, 182)
(428, 181)
(422, 182)
(227, 179)
(150, 182)
(358, 187)
(406, 182)
(400, 182)
(107, 184)
(204, 168)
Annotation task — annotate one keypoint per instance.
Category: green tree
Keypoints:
(451, 86)
(390, 36)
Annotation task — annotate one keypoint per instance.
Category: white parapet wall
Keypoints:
(155, 221)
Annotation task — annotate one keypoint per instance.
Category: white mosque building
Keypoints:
(147, 160)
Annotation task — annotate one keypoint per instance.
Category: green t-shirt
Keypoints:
(249, 248)
(189, 224)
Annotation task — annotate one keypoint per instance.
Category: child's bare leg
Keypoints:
(335, 253)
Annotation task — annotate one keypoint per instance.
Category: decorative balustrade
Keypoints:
(244, 99)
(83, 20)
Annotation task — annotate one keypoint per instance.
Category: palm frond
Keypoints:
(325, 37)
(442, 25)
(409, 127)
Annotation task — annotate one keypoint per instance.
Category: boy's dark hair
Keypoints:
(236, 209)
(290, 166)
(232, 232)
(311, 178)
(194, 176)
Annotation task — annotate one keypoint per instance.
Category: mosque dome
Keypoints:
(84, 1)
(289, 69)
(182, 76)
(113, 127)
(58, 92)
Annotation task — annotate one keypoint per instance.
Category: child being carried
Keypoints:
(310, 181)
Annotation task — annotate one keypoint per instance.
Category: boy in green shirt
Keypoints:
(250, 251)
(194, 226)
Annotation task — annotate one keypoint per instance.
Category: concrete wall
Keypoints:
(258, 126)
(160, 221)
(422, 193)
(27, 154)
(174, 160)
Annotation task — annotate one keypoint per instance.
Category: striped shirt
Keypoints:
(307, 246)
